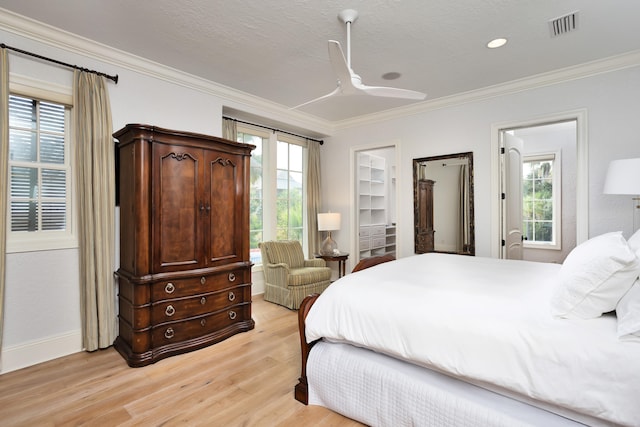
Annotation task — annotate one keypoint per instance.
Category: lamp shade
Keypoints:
(328, 221)
(623, 177)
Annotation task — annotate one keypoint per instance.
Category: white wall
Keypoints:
(613, 130)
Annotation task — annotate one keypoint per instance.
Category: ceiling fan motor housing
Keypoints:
(348, 15)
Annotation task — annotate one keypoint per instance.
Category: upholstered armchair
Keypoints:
(288, 277)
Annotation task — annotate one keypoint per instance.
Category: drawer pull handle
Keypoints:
(203, 300)
(232, 296)
(232, 277)
(170, 311)
(232, 315)
(169, 333)
(203, 322)
(203, 280)
(170, 288)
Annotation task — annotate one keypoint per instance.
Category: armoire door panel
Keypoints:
(177, 206)
(224, 221)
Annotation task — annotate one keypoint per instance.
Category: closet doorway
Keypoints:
(541, 188)
(374, 209)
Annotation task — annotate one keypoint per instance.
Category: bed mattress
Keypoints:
(487, 322)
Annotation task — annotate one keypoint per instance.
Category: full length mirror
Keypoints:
(443, 204)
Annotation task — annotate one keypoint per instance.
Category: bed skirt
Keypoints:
(381, 391)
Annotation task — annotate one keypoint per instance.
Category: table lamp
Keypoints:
(329, 222)
(623, 177)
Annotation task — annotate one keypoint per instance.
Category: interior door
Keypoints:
(512, 196)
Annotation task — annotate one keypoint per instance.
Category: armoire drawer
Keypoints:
(182, 308)
(175, 332)
(186, 287)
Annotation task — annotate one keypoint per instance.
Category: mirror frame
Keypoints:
(416, 165)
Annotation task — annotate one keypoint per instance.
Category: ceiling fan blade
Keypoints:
(336, 91)
(391, 92)
(340, 65)
(342, 71)
(349, 83)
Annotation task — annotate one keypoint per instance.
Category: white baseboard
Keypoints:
(257, 279)
(34, 352)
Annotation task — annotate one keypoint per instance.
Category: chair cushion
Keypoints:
(285, 251)
(308, 275)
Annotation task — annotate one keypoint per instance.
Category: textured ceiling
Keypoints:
(277, 49)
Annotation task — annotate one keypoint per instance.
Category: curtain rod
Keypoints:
(75, 67)
(321, 142)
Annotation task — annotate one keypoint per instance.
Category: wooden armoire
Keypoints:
(185, 274)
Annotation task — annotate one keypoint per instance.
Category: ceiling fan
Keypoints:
(349, 83)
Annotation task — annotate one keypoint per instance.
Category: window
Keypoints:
(277, 188)
(39, 175)
(256, 193)
(541, 200)
(289, 192)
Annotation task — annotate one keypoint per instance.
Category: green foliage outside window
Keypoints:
(537, 197)
(255, 194)
(289, 192)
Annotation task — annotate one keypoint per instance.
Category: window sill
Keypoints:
(35, 245)
(543, 246)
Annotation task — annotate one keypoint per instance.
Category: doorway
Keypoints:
(374, 209)
(541, 224)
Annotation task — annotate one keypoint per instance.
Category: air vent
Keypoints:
(564, 24)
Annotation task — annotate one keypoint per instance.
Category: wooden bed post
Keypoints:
(301, 390)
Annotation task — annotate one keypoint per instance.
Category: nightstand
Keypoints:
(341, 258)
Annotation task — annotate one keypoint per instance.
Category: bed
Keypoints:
(451, 340)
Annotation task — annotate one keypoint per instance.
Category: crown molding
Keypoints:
(589, 69)
(51, 36)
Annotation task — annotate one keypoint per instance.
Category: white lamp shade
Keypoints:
(328, 221)
(623, 177)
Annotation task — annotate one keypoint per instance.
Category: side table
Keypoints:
(341, 258)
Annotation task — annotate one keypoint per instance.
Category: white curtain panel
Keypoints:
(94, 150)
(4, 174)
(313, 195)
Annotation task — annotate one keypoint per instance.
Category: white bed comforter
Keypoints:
(486, 321)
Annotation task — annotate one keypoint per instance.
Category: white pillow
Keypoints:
(594, 276)
(634, 242)
(628, 312)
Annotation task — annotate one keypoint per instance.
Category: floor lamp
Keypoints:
(329, 222)
(623, 177)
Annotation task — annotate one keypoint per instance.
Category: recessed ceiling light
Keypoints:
(392, 75)
(495, 43)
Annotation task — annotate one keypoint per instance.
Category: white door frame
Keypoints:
(582, 173)
(353, 176)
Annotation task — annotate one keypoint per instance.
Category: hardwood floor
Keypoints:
(246, 380)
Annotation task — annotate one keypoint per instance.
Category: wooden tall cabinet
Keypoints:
(185, 273)
(424, 217)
